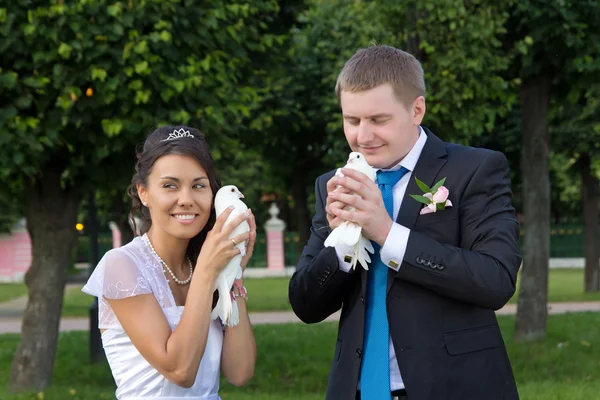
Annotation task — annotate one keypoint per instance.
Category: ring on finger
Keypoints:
(234, 242)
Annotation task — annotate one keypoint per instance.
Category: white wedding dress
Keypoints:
(133, 270)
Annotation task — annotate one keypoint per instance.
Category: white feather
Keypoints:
(349, 233)
(226, 309)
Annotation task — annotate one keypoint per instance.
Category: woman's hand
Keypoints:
(218, 249)
(251, 241)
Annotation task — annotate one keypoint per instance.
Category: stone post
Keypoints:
(116, 234)
(275, 252)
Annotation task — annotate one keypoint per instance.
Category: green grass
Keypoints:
(10, 291)
(294, 361)
(267, 294)
(564, 285)
(270, 294)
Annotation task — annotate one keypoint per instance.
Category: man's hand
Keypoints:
(369, 211)
(332, 204)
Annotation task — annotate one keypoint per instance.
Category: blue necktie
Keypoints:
(375, 371)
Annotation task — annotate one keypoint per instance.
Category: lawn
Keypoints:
(565, 285)
(294, 361)
(270, 294)
(267, 294)
(10, 291)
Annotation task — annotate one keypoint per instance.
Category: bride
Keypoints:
(156, 292)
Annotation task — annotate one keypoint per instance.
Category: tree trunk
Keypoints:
(51, 214)
(413, 42)
(126, 231)
(589, 190)
(300, 195)
(532, 312)
(122, 220)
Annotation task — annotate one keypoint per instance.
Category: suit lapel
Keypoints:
(432, 159)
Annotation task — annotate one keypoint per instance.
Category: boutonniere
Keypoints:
(434, 198)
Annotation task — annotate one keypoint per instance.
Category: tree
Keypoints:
(81, 84)
(460, 46)
(297, 124)
(577, 133)
(552, 38)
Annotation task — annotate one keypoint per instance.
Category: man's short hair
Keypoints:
(377, 65)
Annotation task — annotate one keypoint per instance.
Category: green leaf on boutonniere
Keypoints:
(423, 186)
(438, 185)
(440, 206)
(421, 199)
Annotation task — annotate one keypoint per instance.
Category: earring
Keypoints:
(145, 204)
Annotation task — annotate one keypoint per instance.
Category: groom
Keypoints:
(420, 323)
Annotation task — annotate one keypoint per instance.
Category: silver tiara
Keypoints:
(178, 133)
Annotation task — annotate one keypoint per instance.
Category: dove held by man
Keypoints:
(350, 233)
(226, 308)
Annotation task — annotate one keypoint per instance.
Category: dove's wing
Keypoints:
(225, 309)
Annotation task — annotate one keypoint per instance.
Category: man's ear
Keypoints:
(418, 110)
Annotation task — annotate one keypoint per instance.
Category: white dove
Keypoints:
(227, 309)
(349, 233)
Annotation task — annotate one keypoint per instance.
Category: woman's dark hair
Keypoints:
(180, 140)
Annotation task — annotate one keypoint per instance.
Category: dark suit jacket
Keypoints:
(460, 265)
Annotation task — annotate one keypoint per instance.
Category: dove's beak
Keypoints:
(241, 195)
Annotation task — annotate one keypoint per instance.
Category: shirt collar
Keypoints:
(410, 160)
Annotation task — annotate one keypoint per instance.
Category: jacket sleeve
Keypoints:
(483, 269)
(318, 287)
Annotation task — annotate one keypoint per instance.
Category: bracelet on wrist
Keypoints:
(239, 290)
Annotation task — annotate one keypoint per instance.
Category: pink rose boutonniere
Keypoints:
(434, 198)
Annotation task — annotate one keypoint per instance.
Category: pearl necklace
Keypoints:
(177, 281)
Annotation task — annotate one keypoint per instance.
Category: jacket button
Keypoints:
(419, 260)
(358, 353)
(440, 267)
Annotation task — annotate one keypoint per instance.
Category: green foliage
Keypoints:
(85, 81)
(10, 212)
(460, 46)
(297, 124)
(556, 38)
(564, 44)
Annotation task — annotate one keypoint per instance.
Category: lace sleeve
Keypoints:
(117, 276)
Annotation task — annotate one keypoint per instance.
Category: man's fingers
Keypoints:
(345, 215)
(346, 199)
(356, 175)
(334, 184)
(331, 185)
(353, 186)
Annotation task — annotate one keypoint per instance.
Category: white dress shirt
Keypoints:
(396, 241)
